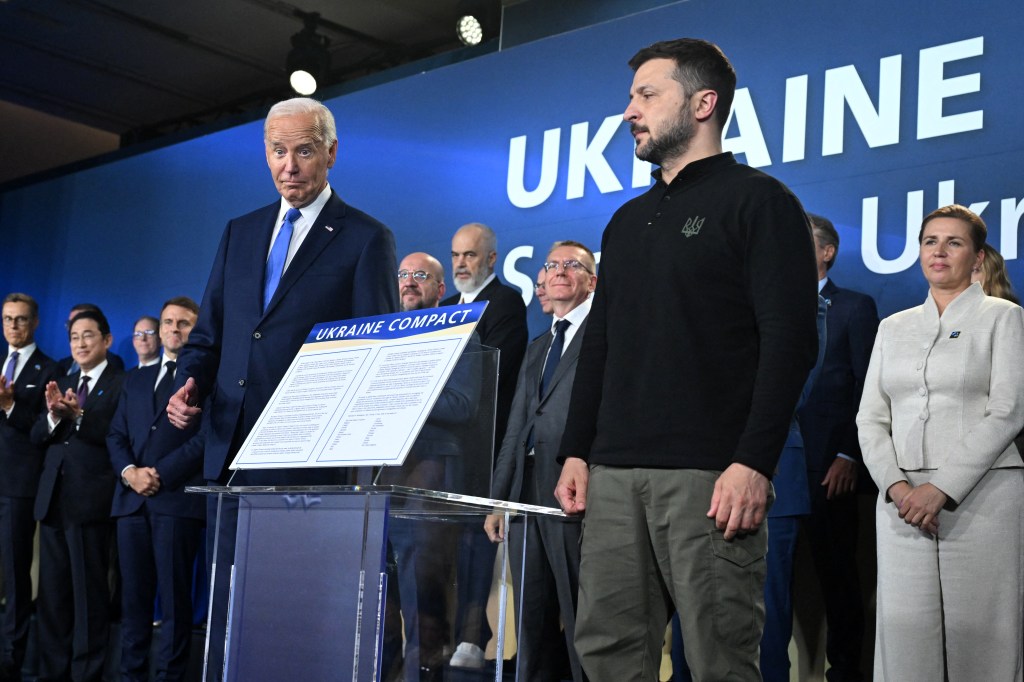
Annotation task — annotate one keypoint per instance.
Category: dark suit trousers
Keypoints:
(546, 590)
(156, 552)
(73, 607)
(832, 530)
(17, 531)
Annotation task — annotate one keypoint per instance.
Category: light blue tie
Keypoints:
(278, 255)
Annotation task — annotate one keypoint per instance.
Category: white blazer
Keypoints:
(945, 393)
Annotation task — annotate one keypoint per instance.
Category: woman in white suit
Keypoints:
(943, 400)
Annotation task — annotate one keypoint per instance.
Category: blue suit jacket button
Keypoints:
(241, 382)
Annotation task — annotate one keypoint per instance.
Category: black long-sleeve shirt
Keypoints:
(702, 330)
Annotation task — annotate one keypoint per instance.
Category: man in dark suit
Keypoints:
(422, 549)
(68, 365)
(827, 422)
(146, 340)
(73, 504)
(527, 471)
(158, 525)
(306, 258)
(502, 326)
(25, 373)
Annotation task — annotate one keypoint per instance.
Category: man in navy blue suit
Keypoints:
(827, 422)
(308, 257)
(158, 524)
(25, 373)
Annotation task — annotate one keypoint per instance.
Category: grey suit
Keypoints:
(553, 554)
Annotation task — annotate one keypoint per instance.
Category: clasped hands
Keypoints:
(143, 480)
(918, 506)
(62, 406)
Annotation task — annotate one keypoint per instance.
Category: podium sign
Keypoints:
(359, 391)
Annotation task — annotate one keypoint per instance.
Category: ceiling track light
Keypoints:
(308, 63)
(477, 21)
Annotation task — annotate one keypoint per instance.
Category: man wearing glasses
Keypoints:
(73, 506)
(68, 365)
(146, 340)
(527, 470)
(423, 550)
(26, 371)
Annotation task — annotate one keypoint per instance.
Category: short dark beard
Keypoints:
(672, 144)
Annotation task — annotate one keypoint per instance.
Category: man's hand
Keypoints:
(181, 409)
(61, 406)
(571, 491)
(841, 477)
(494, 526)
(740, 500)
(6, 394)
(143, 480)
(921, 506)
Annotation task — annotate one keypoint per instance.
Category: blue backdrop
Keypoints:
(873, 112)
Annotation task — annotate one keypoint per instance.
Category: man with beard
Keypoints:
(682, 401)
(502, 326)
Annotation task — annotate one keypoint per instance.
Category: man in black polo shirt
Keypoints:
(683, 400)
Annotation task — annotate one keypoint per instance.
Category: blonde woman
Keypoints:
(943, 399)
(992, 276)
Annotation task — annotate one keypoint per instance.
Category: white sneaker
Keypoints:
(468, 656)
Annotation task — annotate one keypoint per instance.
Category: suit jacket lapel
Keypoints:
(535, 354)
(259, 246)
(328, 224)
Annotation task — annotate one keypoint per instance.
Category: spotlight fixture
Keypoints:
(477, 20)
(309, 62)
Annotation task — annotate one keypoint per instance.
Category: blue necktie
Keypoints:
(554, 354)
(12, 363)
(278, 255)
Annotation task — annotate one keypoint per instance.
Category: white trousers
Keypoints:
(952, 607)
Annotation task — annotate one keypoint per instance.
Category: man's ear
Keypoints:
(706, 103)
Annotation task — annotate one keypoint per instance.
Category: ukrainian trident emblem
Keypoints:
(693, 226)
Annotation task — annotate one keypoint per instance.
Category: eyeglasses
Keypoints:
(539, 286)
(19, 321)
(418, 275)
(87, 337)
(143, 333)
(566, 265)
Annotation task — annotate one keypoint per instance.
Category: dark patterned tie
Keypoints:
(162, 394)
(554, 354)
(83, 391)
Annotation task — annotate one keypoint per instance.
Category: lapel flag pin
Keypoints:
(328, 228)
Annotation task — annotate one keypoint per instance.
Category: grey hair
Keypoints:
(324, 129)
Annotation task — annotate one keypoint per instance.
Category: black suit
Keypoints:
(20, 464)
(828, 426)
(502, 326)
(157, 536)
(549, 584)
(73, 505)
